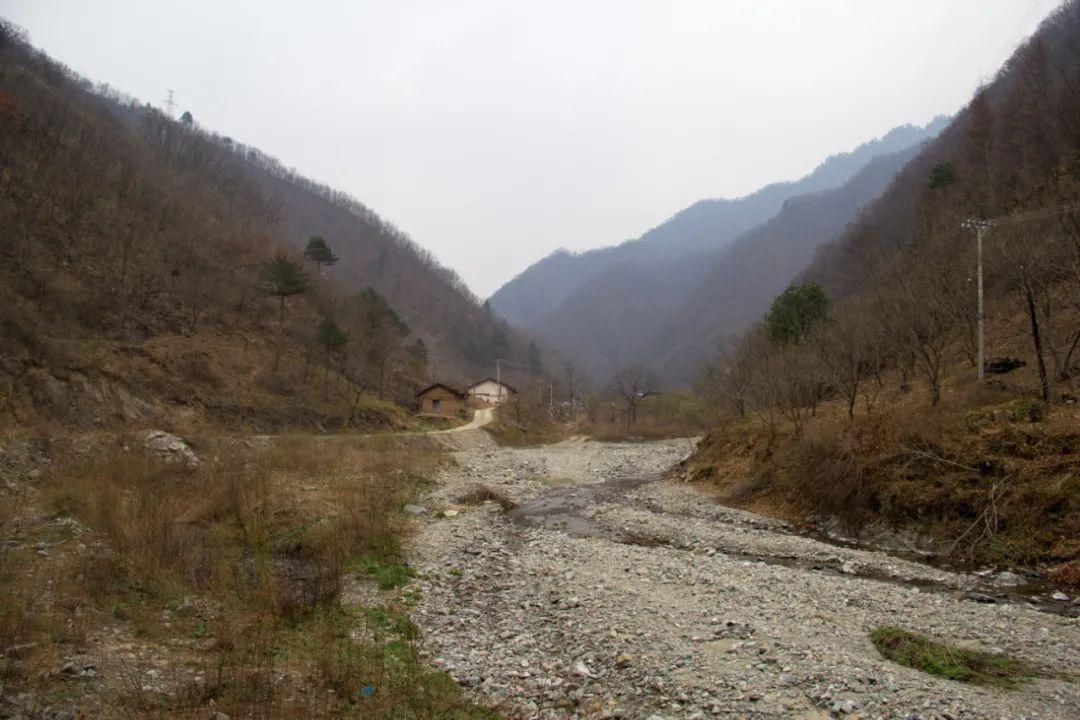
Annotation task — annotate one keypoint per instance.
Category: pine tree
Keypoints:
(794, 312)
(283, 278)
(332, 339)
(319, 252)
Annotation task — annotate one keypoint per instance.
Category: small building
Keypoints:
(439, 399)
(489, 392)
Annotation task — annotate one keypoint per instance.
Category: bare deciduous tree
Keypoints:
(632, 385)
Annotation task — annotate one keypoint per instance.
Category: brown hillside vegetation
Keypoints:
(988, 477)
(864, 406)
(133, 280)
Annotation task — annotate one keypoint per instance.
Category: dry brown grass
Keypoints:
(644, 538)
(976, 475)
(249, 518)
(1066, 574)
(246, 556)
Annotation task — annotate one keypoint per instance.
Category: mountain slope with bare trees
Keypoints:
(882, 393)
(151, 270)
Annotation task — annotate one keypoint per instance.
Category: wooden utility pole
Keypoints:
(980, 227)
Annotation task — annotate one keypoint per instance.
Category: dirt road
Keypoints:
(612, 593)
(480, 418)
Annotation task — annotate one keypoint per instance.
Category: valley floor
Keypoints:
(594, 588)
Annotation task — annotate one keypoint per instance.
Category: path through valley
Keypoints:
(610, 592)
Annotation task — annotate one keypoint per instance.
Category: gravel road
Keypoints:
(611, 592)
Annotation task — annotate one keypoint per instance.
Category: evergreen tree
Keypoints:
(794, 312)
(332, 339)
(319, 252)
(942, 175)
(283, 278)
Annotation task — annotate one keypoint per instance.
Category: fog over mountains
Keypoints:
(666, 298)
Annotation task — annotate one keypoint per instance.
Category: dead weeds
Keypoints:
(227, 578)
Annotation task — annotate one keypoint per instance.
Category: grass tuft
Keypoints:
(947, 661)
(387, 574)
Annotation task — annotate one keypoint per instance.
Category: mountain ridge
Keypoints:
(572, 300)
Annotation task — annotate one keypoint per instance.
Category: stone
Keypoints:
(171, 448)
(1060, 597)
(1008, 579)
(581, 669)
(415, 509)
(980, 597)
(844, 707)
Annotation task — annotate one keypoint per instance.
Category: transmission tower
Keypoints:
(170, 104)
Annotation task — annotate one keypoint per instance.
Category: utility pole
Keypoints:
(170, 104)
(980, 227)
(498, 371)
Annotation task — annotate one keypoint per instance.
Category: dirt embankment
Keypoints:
(992, 485)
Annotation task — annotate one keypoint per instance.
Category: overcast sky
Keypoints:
(494, 131)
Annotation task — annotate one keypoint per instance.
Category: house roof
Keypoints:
(497, 382)
(440, 385)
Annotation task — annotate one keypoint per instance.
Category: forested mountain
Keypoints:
(151, 269)
(606, 308)
(759, 265)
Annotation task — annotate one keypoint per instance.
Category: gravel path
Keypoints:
(613, 593)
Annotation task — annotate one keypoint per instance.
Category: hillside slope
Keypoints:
(131, 286)
(463, 339)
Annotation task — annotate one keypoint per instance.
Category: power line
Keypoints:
(1033, 214)
(1012, 45)
(519, 365)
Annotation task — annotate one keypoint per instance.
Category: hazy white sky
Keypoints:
(495, 131)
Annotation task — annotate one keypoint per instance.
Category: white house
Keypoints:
(489, 391)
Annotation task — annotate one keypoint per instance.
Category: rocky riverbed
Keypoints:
(610, 592)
